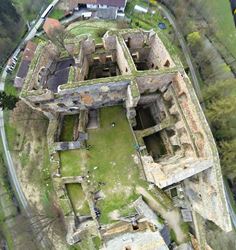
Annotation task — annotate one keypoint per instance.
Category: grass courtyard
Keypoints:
(110, 161)
(71, 162)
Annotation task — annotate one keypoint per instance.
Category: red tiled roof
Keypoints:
(28, 53)
(50, 24)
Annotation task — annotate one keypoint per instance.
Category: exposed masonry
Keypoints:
(145, 79)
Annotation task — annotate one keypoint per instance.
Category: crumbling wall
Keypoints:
(83, 70)
(151, 83)
(205, 197)
(109, 41)
(122, 61)
(88, 46)
(159, 57)
(134, 40)
(90, 96)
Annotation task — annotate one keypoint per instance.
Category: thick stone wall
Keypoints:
(152, 83)
(121, 59)
(93, 96)
(135, 40)
(159, 56)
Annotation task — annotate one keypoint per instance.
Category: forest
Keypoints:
(14, 17)
(11, 29)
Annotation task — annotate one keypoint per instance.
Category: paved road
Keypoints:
(186, 52)
(185, 49)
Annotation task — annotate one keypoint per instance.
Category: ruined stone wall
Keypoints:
(152, 83)
(109, 41)
(44, 96)
(83, 70)
(135, 40)
(206, 198)
(209, 186)
(122, 61)
(88, 46)
(90, 96)
(142, 53)
(159, 57)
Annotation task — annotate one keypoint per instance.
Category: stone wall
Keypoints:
(152, 83)
(159, 56)
(93, 96)
(135, 40)
(122, 61)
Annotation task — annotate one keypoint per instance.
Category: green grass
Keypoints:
(9, 87)
(57, 13)
(71, 162)
(4, 185)
(68, 127)
(78, 199)
(173, 236)
(110, 160)
(220, 11)
(97, 242)
(11, 132)
(95, 29)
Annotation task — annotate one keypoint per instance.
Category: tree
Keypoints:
(221, 109)
(8, 101)
(194, 38)
(228, 156)
(59, 36)
(219, 89)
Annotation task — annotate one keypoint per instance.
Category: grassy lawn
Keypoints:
(95, 29)
(68, 127)
(225, 30)
(4, 186)
(71, 161)
(78, 199)
(11, 132)
(57, 13)
(144, 20)
(9, 87)
(110, 161)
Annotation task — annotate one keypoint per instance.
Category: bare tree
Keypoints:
(59, 36)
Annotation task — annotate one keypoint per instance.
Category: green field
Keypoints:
(220, 12)
(111, 162)
(95, 29)
(57, 13)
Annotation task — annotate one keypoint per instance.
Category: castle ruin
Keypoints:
(133, 68)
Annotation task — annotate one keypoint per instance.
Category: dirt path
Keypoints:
(172, 217)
